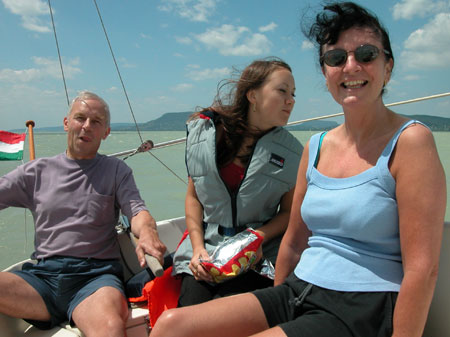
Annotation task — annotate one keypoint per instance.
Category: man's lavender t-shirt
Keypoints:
(75, 203)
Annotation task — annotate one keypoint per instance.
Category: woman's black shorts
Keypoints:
(304, 310)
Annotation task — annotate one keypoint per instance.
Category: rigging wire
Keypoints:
(126, 94)
(182, 140)
(59, 54)
(118, 71)
(414, 100)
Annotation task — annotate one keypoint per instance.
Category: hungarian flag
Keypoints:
(11, 145)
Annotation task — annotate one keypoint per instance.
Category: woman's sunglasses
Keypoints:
(364, 54)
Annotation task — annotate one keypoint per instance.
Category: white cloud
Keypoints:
(407, 9)
(183, 40)
(236, 41)
(45, 68)
(193, 10)
(429, 47)
(206, 74)
(307, 45)
(444, 104)
(124, 63)
(46, 107)
(412, 77)
(182, 87)
(26, 75)
(270, 27)
(26, 7)
(163, 98)
(29, 11)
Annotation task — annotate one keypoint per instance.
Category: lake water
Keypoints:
(163, 192)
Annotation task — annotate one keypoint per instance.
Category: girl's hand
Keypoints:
(200, 273)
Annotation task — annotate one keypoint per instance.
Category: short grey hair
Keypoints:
(85, 95)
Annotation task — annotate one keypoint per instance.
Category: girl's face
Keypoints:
(272, 103)
(357, 82)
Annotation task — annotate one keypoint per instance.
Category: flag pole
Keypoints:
(30, 126)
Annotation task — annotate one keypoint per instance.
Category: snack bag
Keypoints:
(234, 256)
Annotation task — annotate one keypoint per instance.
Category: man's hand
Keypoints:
(143, 227)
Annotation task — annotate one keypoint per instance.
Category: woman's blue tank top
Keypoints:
(355, 243)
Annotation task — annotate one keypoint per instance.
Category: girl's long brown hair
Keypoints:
(231, 109)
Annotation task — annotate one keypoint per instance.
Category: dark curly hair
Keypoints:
(337, 17)
(231, 108)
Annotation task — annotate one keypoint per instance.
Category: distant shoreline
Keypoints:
(176, 121)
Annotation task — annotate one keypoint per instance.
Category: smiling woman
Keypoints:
(367, 213)
(347, 74)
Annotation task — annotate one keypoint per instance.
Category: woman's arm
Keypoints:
(278, 224)
(295, 240)
(194, 224)
(421, 196)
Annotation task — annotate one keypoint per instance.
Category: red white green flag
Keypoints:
(11, 145)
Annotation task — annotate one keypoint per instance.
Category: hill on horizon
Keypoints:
(170, 121)
(176, 121)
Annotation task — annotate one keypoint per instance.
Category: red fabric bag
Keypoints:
(161, 293)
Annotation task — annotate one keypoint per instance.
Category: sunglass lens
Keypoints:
(366, 53)
(335, 57)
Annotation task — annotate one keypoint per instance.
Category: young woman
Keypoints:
(242, 169)
(361, 253)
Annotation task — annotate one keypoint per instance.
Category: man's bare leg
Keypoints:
(103, 314)
(19, 299)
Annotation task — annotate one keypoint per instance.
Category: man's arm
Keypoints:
(143, 226)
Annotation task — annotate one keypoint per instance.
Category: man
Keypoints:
(75, 198)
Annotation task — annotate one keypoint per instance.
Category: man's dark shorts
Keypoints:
(301, 309)
(64, 282)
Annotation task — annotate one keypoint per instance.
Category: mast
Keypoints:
(30, 125)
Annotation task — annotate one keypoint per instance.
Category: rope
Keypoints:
(59, 54)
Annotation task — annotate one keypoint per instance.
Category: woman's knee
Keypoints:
(170, 316)
(167, 321)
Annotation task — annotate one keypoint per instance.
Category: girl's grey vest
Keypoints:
(271, 173)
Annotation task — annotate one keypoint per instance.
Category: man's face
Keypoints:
(86, 126)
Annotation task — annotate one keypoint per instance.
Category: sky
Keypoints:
(173, 53)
